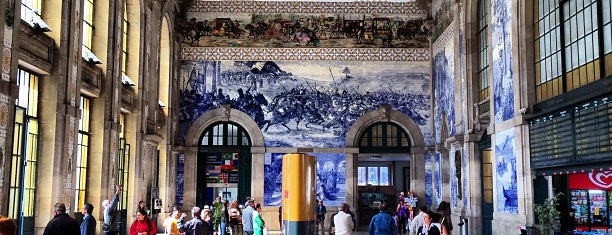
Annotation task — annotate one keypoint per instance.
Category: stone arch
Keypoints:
(224, 114)
(386, 114)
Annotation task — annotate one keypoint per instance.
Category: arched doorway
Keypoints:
(403, 140)
(224, 163)
(383, 167)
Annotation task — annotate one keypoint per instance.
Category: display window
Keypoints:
(591, 197)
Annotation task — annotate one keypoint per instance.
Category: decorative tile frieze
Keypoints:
(366, 7)
(350, 54)
(441, 42)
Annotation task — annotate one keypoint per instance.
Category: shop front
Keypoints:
(590, 195)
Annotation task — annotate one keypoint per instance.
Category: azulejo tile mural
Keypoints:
(505, 165)
(437, 171)
(428, 179)
(330, 178)
(444, 84)
(304, 103)
(501, 43)
(275, 24)
(454, 183)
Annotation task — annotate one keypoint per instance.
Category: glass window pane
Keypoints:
(373, 175)
(580, 23)
(607, 38)
(575, 55)
(361, 176)
(607, 10)
(384, 176)
(582, 49)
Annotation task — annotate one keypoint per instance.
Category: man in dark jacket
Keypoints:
(568, 222)
(62, 223)
(194, 226)
(321, 210)
(88, 226)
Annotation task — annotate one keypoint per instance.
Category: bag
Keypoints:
(265, 231)
(106, 227)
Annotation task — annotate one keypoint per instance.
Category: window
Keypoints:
(82, 155)
(487, 176)
(569, 35)
(225, 134)
(124, 57)
(373, 175)
(88, 31)
(483, 49)
(22, 184)
(386, 137)
(30, 9)
(123, 164)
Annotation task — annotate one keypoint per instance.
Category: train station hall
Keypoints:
(500, 110)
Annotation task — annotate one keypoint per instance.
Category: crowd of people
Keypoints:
(235, 218)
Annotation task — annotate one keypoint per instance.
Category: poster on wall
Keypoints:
(428, 180)
(305, 103)
(506, 180)
(222, 168)
(330, 178)
(180, 178)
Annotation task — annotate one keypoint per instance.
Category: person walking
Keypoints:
(445, 213)
(402, 216)
(109, 227)
(568, 222)
(258, 222)
(88, 226)
(171, 223)
(417, 221)
(143, 225)
(62, 223)
(428, 228)
(382, 223)
(247, 218)
(343, 221)
(235, 214)
(321, 210)
(207, 220)
(224, 218)
(195, 226)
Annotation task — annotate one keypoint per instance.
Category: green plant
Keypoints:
(547, 213)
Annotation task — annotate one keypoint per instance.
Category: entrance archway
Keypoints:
(224, 163)
(195, 153)
(391, 143)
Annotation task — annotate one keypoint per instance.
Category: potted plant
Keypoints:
(547, 213)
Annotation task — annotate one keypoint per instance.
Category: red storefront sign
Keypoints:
(593, 180)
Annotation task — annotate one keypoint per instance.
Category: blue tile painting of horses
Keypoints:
(305, 103)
